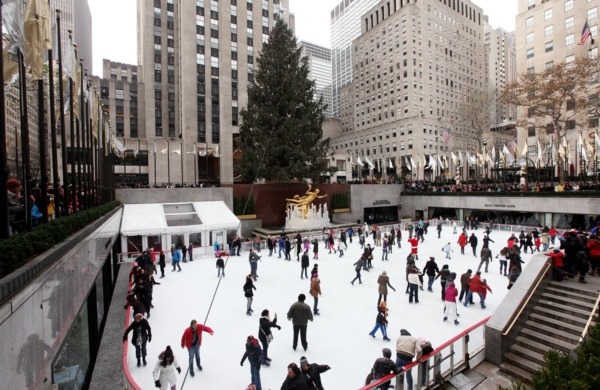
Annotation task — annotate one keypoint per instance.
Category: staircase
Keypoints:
(557, 322)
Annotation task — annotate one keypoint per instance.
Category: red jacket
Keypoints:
(552, 232)
(594, 247)
(557, 258)
(186, 340)
(462, 240)
(413, 242)
(475, 285)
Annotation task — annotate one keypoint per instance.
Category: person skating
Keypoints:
(473, 243)
(184, 252)
(384, 282)
(557, 264)
(304, 264)
(137, 306)
(399, 237)
(142, 290)
(450, 303)
(315, 291)
(253, 259)
(192, 340)
(176, 259)
(475, 287)
(162, 264)
(384, 254)
(220, 267)
(343, 238)
(407, 348)
(316, 249)
(270, 245)
(529, 242)
(315, 269)
(390, 240)
(381, 322)
(358, 267)
(383, 367)
(331, 244)
(265, 335)
(486, 258)
(414, 247)
(142, 334)
(164, 370)
(281, 245)
(368, 257)
(444, 274)
(464, 285)
(414, 283)
(486, 241)
(503, 258)
(255, 357)
(294, 379)
(288, 249)
(431, 270)
(339, 246)
(300, 314)
(249, 294)
(298, 246)
(191, 251)
(361, 241)
(312, 373)
(462, 242)
(439, 229)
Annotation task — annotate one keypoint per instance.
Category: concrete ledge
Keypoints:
(496, 345)
(175, 195)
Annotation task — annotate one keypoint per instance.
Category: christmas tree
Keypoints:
(281, 130)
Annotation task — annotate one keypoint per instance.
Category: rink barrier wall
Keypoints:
(128, 377)
(468, 360)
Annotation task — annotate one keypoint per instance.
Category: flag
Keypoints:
(555, 128)
(215, 152)
(467, 157)
(493, 152)
(155, 147)
(460, 158)
(453, 157)
(176, 151)
(525, 150)
(359, 162)
(509, 158)
(391, 165)
(412, 162)
(447, 135)
(597, 140)
(371, 166)
(398, 166)
(440, 162)
(539, 155)
(137, 149)
(513, 147)
(166, 149)
(407, 163)
(351, 160)
(432, 163)
(585, 33)
(553, 154)
(38, 36)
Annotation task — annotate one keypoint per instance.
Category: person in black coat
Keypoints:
(312, 373)
(298, 246)
(264, 330)
(305, 264)
(162, 264)
(316, 249)
(249, 294)
(473, 242)
(315, 269)
(255, 356)
(288, 249)
(138, 307)
(294, 380)
(142, 333)
(144, 293)
(383, 367)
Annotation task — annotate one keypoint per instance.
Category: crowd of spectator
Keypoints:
(428, 186)
(167, 185)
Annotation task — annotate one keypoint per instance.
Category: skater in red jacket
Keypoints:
(192, 339)
(414, 247)
(462, 241)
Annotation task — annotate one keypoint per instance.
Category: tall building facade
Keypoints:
(319, 61)
(75, 16)
(413, 65)
(198, 57)
(345, 28)
(501, 69)
(547, 33)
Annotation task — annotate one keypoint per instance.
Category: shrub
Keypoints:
(240, 203)
(339, 201)
(18, 249)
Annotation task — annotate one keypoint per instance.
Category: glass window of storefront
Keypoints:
(375, 215)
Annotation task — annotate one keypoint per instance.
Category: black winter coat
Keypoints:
(161, 260)
(473, 241)
(383, 367)
(248, 287)
(143, 326)
(305, 262)
(297, 383)
(431, 268)
(264, 328)
(313, 376)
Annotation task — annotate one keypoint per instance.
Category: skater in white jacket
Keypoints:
(164, 371)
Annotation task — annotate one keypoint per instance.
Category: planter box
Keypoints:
(338, 211)
(247, 216)
(406, 221)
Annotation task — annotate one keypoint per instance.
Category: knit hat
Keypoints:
(421, 340)
(303, 361)
(12, 184)
(168, 352)
(251, 387)
(315, 276)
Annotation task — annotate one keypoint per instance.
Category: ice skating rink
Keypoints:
(338, 337)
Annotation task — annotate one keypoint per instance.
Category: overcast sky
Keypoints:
(115, 33)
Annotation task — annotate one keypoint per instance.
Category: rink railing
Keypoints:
(436, 361)
(129, 381)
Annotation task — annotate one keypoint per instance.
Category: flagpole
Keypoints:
(168, 162)
(181, 155)
(4, 232)
(195, 166)
(55, 178)
(139, 159)
(81, 144)
(72, 137)
(25, 151)
(154, 163)
(63, 127)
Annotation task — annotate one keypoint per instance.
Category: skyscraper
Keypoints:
(345, 27)
(75, 16)
(198, 57)
(319, 61)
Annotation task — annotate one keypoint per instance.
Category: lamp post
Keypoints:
(485, 160)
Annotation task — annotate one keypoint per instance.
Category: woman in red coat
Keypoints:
(594, 248)
(462, 241)
(557, 264)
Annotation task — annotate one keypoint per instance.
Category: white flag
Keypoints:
(391, 165)
(525, 149)
(359, 162)
(371, 166)
(412, 162)
(351, 160)
(597, 144)
(454, 159)
(432, 163)
(166, 149)
(493, 152)
(507, 155)
(407, 163)
(440, 162)
(176, 151)
(137, 149)
(539, 156)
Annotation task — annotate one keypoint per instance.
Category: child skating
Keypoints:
(447, 248)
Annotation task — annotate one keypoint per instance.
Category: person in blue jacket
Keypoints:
(176, 259)
(254, 353)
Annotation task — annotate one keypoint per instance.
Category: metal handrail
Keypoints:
(426, 357)
(515, 318)
(587, 325)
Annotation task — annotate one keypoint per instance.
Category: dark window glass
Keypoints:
(214, 33)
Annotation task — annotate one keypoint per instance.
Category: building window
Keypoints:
(548, 30)
(529, 38)
(529, 22)
(569, 22)
(592, 13)
(568, 5)
(531, 132)
(532, 151)
(570, 125)
(593, 53)
(593, 122)
(549, 64)
(410, 145)
(530, 53)
(549, 46)
(594, 31)
(531, 70)
(569, 39)
(569, 61)
(530, 3)
(548, 14)
(570, 104)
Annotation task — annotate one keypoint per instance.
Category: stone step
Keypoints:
(575, 329)
(527, 353)
(570, 294)
(571, 301)
(522, 363)
(533, 342)
(516, 372)
(550, 333)
(557, 315)
(565, 310)
(571, 287)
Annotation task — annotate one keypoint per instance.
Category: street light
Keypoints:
(485, 159)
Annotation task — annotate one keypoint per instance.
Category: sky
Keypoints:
(115, 33)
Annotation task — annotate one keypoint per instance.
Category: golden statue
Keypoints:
(304, 202)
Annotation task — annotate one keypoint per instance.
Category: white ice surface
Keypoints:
(338, 337)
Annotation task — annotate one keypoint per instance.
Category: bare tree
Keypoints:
(475, 116)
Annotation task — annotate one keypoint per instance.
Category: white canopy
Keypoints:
(176, 218)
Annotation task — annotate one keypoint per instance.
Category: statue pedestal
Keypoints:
(298, 217)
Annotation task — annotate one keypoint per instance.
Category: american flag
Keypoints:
(555, 128)
(447, 134)
(585, 34)
(513, 145)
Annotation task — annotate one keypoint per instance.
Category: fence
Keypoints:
(453, 356)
